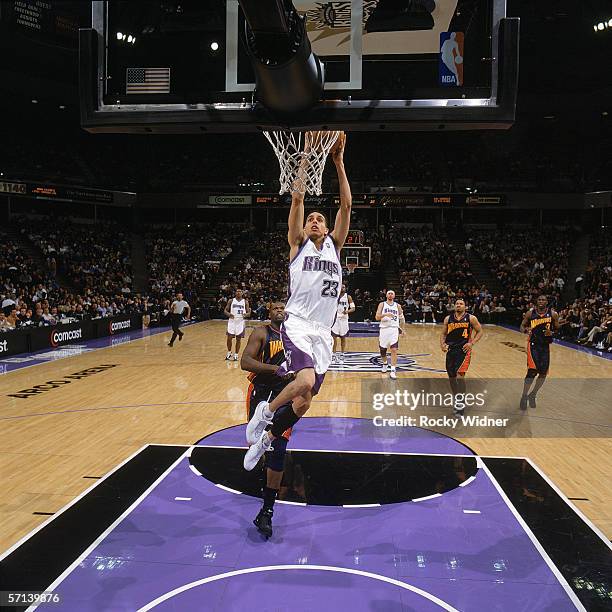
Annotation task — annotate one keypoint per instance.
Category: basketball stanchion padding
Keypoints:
(301, 157)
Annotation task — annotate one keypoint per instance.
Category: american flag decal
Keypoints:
(147, 80)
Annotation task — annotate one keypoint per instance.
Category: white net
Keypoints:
(301, 157)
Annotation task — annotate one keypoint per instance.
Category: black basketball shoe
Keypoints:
(532, 400)
(263, 522)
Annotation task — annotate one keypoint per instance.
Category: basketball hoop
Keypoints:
(351, 267)
(301, 157)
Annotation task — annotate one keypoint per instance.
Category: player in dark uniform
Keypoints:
(457, 342)
(540, 323)
(263, 355)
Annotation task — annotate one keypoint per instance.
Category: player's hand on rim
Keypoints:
(337, 151)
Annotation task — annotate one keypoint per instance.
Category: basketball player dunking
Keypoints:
(263, 356)
(540, 323)
(340, 328)
(177, 310)
(457, 342)
(390, 315)
(315, 281)
(236, 311)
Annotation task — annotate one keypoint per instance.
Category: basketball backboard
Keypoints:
(438, 64)
(359, 256)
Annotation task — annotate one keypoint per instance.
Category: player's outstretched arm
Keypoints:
(295, 233)
(249, 361)
(343, 216)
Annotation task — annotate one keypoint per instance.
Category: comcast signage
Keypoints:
(224, 200)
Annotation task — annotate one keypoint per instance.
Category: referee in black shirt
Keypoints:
(177, 309)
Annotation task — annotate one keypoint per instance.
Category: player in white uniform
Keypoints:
(236, 311)
(389, 314)
(315, 282)
(341, 326)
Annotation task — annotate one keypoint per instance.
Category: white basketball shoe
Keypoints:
(260, 419)
(256, 451)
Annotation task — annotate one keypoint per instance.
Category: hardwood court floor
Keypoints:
(53, 441)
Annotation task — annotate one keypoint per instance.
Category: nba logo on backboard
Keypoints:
(451, 59)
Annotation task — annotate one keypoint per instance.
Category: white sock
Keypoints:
(393, 368)
(267, 413)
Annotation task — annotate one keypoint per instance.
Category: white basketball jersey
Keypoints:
(392, 309)
(238, 308)
(343, 304)
(315, 282)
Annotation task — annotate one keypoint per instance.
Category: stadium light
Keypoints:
(600, 26)
(610, 23)
(129, 39)
(133, 39)
(214, 45)
(123, 37)
(119, 35)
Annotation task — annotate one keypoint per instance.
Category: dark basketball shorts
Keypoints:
(457, 362)
(538, 357)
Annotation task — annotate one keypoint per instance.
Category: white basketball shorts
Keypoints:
(235, 327)
(388, 337)
(341, 327)
(307, 345)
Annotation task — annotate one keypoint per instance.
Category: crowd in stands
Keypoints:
(588, 320)
(93, 261)
(84, 271)
(433, 272)
(262, 272)
(187, 257)
(527, 263)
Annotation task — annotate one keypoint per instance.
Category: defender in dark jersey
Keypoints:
(457, 342)
(263, 356)
(540, 323)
